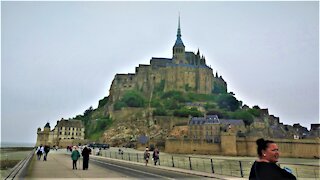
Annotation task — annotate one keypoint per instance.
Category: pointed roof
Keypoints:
(179, 42)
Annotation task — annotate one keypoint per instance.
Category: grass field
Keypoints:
(9, 157)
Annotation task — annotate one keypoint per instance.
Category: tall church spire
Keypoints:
(179, 56)
(179, 40)
(179, 29)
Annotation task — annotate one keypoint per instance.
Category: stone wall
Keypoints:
(301, 148)
(188, 146)
(298, 148)
(168, 122)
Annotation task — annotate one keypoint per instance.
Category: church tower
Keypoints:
(179, 56)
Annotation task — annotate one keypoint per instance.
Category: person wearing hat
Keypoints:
(75, 156)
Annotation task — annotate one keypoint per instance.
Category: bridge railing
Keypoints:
(234, 168)
(19, 170)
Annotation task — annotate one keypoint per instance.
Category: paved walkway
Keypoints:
(59, 165)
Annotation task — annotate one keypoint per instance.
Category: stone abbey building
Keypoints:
(185, 71)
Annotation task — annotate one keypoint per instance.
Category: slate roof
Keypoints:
(70, 123)
(237, 122)
(210, 119)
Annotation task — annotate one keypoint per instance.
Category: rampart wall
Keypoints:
(301, 148)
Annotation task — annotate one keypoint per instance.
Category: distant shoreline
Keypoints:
(16, 144)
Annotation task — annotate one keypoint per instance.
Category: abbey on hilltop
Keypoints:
(180, 106)
(185, 71)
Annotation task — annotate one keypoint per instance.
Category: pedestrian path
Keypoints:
(59, 165)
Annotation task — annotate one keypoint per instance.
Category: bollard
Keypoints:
(190, 163)
(110, 154)
(129, 156)
(212, 166)
(137, 157)
(241, 171)
(172, 161)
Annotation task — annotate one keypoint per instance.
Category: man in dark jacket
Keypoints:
(46, 151)
(85, 154)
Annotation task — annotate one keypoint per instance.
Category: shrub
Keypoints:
(103, 101)
(175, 95)
(184, 112)
(118, 105)
(159, 87)
(159, 112)
(209, 106)
(228, 102)
(244, 115)
(255, 112)
(133, 99)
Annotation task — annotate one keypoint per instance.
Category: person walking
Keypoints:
(85, 154)
(75, 155)
(155, 156)
(39, 152)
(46, 150)
(265, 168)
(146, 155)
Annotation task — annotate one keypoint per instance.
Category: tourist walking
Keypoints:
(46, 150)
(75, 155)
(265, 168)
(146, 155)
(85, 154)
(39, 152)
(155, 156)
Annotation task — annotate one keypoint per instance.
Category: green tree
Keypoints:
(133, 99)
(118, 105)
(160, 112)
(244, 115)
(103, 101)
(228, 102)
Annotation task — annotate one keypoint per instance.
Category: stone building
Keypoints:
(185, 71)
(210, 127)
(205, 128)
(66, 132)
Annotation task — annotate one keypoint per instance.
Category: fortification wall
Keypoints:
(301, 148)
(187, 146)
(168, 122)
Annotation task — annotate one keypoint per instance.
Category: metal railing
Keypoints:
(20, 169)
(227, 167)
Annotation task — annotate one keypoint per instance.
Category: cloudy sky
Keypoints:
(59, 58)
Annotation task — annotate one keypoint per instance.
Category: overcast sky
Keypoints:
(59, 58)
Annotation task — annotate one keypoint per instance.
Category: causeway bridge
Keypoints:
(129, 164)
(59, 166)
